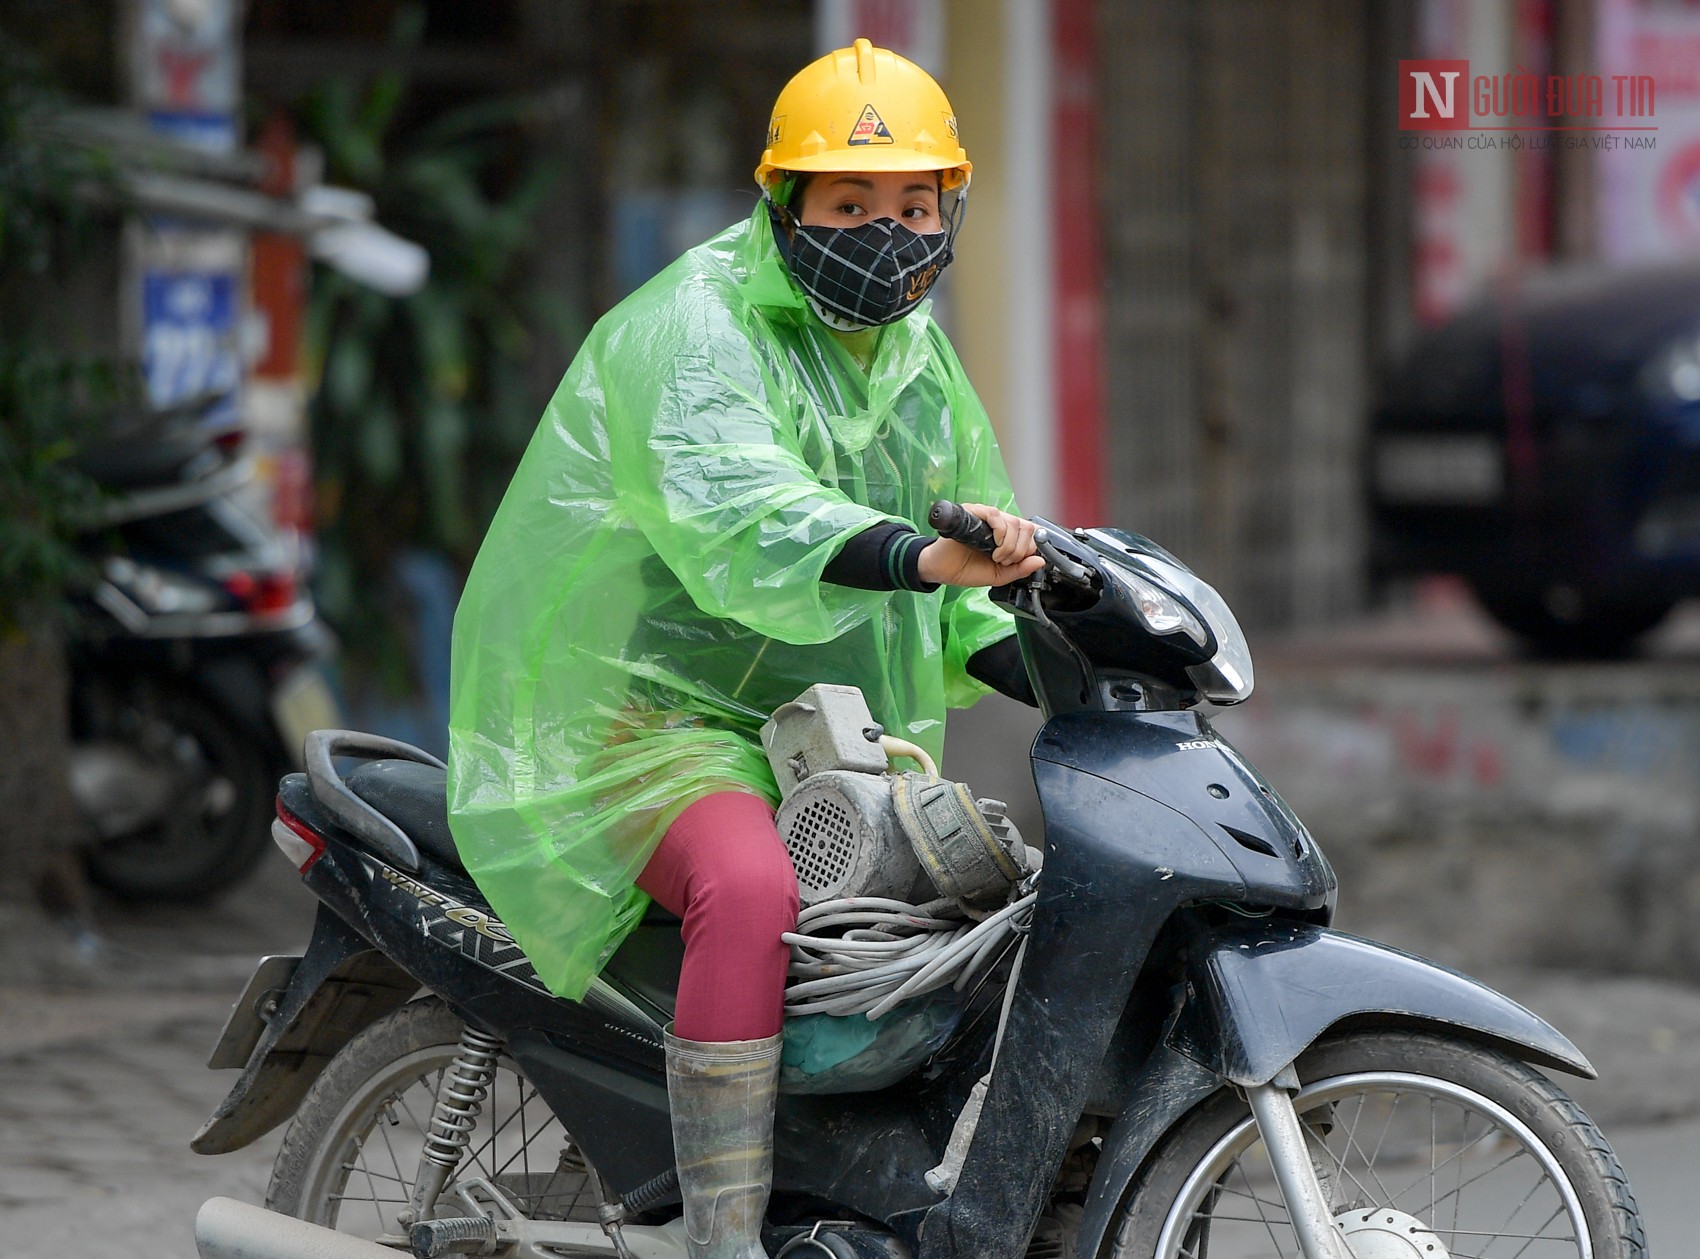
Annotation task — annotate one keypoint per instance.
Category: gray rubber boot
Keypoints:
(722, 1095)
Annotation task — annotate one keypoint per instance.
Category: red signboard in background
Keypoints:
(1650, 201)
(1077, 334)
(1482, 191)
(277, 291)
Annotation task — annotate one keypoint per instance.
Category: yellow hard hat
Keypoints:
(863, 109)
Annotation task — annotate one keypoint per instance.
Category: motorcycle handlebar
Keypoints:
(956, 522)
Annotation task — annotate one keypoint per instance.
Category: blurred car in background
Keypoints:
(1545, 445)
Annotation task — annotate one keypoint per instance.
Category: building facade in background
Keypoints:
(1193, 235)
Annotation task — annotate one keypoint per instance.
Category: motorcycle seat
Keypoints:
(146, 463)
(415, 798)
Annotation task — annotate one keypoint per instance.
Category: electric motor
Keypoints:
(845, 840)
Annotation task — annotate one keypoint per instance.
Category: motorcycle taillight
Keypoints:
(300, 843)
(262, 592)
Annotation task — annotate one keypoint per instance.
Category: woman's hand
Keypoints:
(952, 564)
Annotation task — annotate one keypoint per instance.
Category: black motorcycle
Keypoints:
(193, 662)
(1184, 1060)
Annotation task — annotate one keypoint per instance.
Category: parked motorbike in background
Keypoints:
(1157, 1046)
(193, 655)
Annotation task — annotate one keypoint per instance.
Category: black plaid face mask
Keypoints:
(863, 276)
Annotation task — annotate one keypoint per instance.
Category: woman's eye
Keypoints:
(850, 208)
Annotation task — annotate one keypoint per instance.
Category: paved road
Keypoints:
(101, 1056)
(102, 1082)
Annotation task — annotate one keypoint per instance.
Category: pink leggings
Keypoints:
(723, 869)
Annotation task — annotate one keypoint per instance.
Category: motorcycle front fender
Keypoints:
(1258, 996)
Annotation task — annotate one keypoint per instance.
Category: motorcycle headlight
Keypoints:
(1161, 611)
(1225, 678)
(1674, 374)
(1169, 598)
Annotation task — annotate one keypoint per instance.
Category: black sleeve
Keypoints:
(999, 667)
(884, 557)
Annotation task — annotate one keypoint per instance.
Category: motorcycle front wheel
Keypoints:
(351, 1155)
(1428, 1147)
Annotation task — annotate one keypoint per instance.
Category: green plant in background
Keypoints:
(51, 398)
(423, 405)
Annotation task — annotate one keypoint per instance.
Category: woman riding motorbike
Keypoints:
(717, 512)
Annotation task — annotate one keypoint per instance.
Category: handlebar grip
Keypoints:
(956, 522)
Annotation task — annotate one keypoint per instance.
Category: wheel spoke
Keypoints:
(524, 1139)
(1269, 1227)
(1433, 1149)
(370, 1174)
(490, 1141)
(395, 1161)
(1369, 1162)
(1375, 1157)
(1340, 1159)
(1457, 1193)
(378, 1210)
(1557, 1211)
(1513, 1237)
(1274, 1204)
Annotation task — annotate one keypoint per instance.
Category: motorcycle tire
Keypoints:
(351, 1154)
(221, 824)
(1444, 1145)
(1594, 629)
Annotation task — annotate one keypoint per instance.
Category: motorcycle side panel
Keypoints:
(609, 1091)
(1261, 994)
(617, 1114)
(1117, 865)
(1178, 759)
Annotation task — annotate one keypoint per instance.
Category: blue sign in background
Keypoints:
(189, 341)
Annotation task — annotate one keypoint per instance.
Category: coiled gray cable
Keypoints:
(886, 951)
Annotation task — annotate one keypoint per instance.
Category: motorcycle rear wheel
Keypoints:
(351, 1154)
(1432, 1141)
(217, 827)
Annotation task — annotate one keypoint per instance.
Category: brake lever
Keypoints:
(1060, 567)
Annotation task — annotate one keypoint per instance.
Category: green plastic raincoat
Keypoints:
(650, 589)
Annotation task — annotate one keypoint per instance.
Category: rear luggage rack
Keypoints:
(349, 809)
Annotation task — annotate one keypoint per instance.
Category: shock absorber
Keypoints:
(460, 1100)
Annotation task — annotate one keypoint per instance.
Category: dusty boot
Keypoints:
(721, 1094)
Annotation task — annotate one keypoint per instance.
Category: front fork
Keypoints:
(1296, 1167)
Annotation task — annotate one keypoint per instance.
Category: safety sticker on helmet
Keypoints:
(775, 128)
(870, 128)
